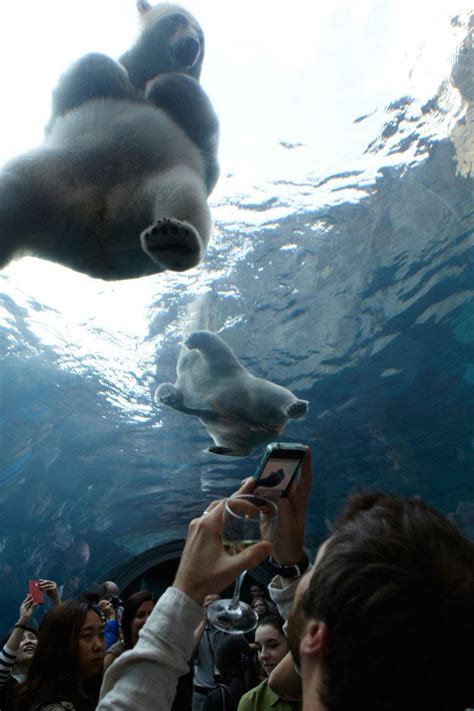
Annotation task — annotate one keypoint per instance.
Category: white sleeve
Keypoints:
(282, 593)
(146, 676)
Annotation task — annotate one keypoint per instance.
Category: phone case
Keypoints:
(275, 447)
(36, 592)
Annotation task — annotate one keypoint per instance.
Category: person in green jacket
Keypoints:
(271, 647)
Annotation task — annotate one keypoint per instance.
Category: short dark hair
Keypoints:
(91, 596)
(130, 609)
(395, 587)
(232, 656)
(54, 672)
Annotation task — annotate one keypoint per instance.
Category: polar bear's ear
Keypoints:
(143, 6)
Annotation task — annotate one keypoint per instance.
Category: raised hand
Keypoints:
(205, 565)
(26, 610)
(51, 590)
(289, 537)
(107, 608)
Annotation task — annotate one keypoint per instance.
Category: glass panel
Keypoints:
(340, 267)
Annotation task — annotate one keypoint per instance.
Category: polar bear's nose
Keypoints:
(186, 51)
(297, 409)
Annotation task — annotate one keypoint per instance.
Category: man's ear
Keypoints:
(315, 639)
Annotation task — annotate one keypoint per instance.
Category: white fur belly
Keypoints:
(119, 140)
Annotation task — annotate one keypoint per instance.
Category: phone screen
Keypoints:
(277, 474)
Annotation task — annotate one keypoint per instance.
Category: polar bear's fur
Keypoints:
(239, 410)
(119, 188)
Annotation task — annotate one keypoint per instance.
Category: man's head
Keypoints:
(108, 590)
(386, 619)
(257, 590)
(261, 606)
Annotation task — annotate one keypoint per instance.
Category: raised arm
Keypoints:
(285, 680)
(51, 590)
(145, 677)
(10, 649)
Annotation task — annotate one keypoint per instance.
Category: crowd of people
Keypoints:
(382, 620)
(223, 668)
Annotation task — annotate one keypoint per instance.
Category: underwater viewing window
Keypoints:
(340, 267)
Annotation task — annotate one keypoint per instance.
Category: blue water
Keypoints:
(353, 290)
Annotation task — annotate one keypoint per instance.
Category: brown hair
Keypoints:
(274, 621)
(54, 673)
(395, 587)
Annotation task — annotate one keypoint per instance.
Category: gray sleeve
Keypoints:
(146, 676)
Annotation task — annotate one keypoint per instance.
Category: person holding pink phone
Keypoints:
(37, 589)
(17, 652)
(19, 644)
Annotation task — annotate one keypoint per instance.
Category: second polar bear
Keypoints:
(239, 410)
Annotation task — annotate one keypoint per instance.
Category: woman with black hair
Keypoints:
(19, 645)
(18, 648)
(66, 669)
(136, 611)
(233, 661)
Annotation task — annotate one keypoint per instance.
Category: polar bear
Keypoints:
(119, 187)
(239, 410)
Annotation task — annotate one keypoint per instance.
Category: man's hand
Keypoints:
(51, 590)
(289, 537)
(205, 565)
(107, 608)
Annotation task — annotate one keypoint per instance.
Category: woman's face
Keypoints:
(271, 647)
(260, 606)
(91, 646)
(141, 616)
(27, 648)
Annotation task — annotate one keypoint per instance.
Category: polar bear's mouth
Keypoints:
(170, 247)
(187, 51)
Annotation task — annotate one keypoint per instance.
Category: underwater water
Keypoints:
(351, 285)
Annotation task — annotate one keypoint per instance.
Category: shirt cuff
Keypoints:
(174, 617)
(10, 651)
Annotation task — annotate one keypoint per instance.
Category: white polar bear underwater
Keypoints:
(119, 187)
(239, 410)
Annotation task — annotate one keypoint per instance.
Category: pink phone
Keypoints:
(36, 592)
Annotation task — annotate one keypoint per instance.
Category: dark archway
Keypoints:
(155, 570)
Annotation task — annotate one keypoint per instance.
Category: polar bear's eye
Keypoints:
(177, 18)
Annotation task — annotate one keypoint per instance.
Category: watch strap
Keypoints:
(291, 571)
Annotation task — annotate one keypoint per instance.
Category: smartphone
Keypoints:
(36, 592)
(278, 469)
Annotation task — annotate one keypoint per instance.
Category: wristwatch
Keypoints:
(291, 571)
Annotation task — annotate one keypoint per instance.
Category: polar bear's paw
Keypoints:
(172, 244)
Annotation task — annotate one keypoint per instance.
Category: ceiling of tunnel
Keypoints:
(340, 267)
